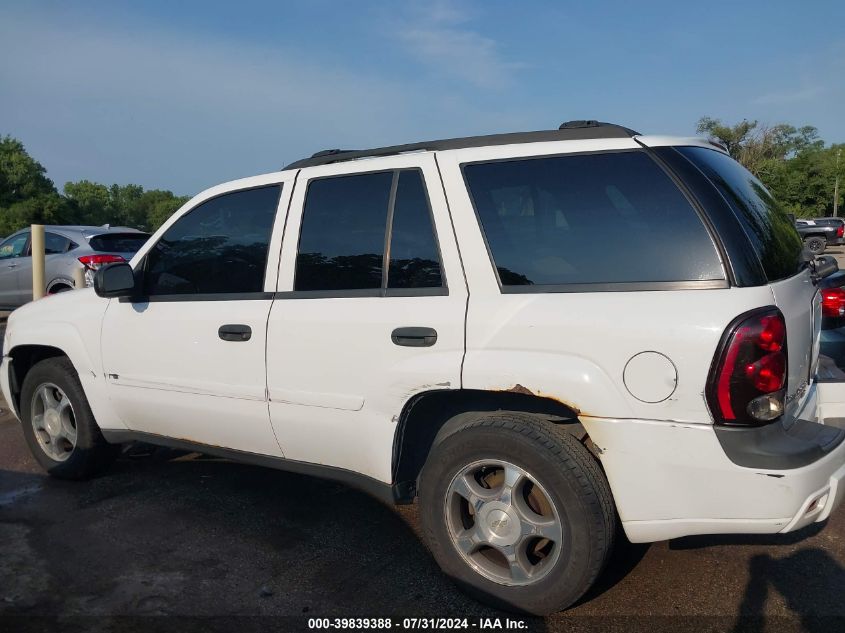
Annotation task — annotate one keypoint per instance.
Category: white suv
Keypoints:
(536, 334)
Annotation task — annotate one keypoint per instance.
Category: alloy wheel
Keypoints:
(53, 421)
(503, 522)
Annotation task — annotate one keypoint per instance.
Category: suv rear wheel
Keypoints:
(517, 512)
(58, 424)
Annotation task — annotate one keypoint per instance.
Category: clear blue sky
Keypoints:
(182, 95)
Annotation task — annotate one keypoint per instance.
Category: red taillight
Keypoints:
(840, 231)
(768, 373)
(833, 302)
(747, 382)
(95, 261)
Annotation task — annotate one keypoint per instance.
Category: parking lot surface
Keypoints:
(168, 533)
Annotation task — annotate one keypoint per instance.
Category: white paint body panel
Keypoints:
(189, 384)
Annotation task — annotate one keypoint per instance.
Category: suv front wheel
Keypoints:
(517, 512)
(58, 424)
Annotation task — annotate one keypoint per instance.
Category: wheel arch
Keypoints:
(59, 281)
(431, 415)
(24, 358)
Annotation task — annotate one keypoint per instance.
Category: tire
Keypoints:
(553, 464)
(815, 244)
(68, 443)
(59, 288)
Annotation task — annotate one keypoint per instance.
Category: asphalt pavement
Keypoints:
(166, 533)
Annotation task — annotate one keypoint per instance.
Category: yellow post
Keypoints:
(37, 249)
(79, 277)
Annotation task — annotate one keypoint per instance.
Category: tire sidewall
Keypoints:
(562, 585)
(61, 374)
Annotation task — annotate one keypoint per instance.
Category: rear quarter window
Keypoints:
(608, 218)
(769, 228)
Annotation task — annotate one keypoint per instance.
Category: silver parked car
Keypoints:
(67, 247)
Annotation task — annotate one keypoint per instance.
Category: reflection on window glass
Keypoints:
(13, 247)
(414, 259)
(771, 232)
(592, 218)
(218, 247)
(341, 243)
(118, 242)
(55, 244)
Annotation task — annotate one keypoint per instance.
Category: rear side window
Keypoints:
(768, 227)
(589, 219)
(341, 243)
(218, 247)
(118, 242)
(346, 224)
(55, 244)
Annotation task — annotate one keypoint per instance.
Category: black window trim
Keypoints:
(626, 286)
(216, 296)
(384, 291)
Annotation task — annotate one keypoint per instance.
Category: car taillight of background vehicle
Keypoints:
(93, 262)
(840, 231)
(747, 382)
(833, 302)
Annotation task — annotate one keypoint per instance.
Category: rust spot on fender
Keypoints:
(517, 388)
(520, 389)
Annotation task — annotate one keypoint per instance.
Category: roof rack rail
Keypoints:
(568, 131)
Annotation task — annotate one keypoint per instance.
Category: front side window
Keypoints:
(218, 247)
(14, 246)
(589, 219)
(348, 220)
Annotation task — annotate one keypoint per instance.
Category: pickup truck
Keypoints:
(820, 233)
(430, 322)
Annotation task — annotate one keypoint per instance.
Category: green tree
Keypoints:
(91, 202)
(21, 176)
(162, 204)
(27, 196)
(793, 163)
(760, 148)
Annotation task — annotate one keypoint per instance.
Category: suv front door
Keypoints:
(12, 256)
(187, 359)
(370, 309)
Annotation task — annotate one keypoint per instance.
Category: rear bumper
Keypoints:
(672, 479)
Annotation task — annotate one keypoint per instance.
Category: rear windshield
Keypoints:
(771, 232)
(118, 242)
(605, 218)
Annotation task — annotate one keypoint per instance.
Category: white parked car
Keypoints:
(536, 334)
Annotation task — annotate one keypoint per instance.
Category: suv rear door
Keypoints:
(369, 310)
